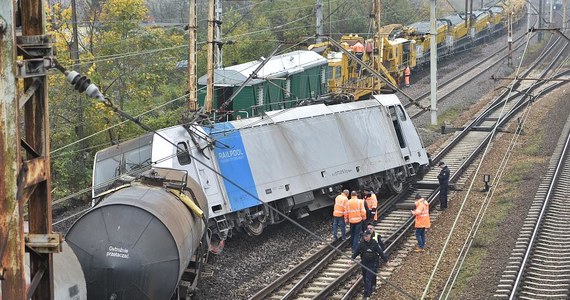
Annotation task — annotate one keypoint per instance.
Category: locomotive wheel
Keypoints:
(396, 186)
(255, 228)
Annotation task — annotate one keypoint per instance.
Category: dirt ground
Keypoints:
(504, 217)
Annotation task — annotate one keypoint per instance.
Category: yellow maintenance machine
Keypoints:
(387, 54)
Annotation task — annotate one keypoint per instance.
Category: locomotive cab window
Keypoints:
(138, 160)
(183, 154)
(395, 115)
(401, 113)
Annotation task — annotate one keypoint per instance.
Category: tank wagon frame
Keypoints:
(295, 160)
(145, 239)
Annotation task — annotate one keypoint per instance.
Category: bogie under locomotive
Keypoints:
(295, 160)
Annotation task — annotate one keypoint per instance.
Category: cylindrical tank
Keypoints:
(68, 280)
(136, 243)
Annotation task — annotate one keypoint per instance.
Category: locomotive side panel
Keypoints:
(311, 153)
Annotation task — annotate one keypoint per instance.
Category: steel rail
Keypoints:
(393, 240)
(541, 217)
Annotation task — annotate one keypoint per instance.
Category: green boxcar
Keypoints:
(283, 82)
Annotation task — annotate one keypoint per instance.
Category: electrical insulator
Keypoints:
(83, 84)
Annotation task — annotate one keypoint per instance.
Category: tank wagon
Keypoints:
(68, 279)
(144, 239)
(295, 160)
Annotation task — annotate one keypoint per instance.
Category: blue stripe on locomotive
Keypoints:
(234, 165)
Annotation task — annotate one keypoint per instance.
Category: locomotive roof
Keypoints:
(454, 19)
(284, 115)
(424, 27)
(496, 9)
(277, 66)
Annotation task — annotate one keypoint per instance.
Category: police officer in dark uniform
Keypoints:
(443, 178)
(369, 252)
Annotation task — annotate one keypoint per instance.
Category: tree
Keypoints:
(135, 67)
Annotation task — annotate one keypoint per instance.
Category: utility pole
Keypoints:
(36, 49)
(379, 41)
(319, 17)
(433, 61)
(467, 21)
(528, 15)
(11, 222)
(510, 38)
(564, 26)
(540, 24)
(192, 78)
(75, 56)
(379, 16)
(330, 19)
(550, 25)
(210, 56)
(218, 30)
(471, 11)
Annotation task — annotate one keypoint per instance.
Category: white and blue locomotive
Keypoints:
(295, 160)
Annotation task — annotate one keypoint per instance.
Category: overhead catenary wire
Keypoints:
(463, 203)
(481, 213)
(266, 205)
(488, 197)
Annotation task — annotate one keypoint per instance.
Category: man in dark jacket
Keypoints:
(443, 178)
(369, 252)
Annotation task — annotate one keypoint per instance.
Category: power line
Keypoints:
(485, 152)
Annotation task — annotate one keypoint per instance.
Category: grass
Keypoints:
(448, 116)
(513, 179)
(487, 234)
(533, 146)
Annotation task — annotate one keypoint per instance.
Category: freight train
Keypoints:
(288, 162)
(396, 47)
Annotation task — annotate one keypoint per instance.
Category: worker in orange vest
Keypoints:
(355, 213)
(372, 204)
(407, 73)
(339, 214)
(358, 50)
(422, 221)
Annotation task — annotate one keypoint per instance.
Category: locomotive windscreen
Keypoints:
(130, 158)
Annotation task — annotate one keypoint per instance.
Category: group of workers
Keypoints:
(358, 211)
(358, 49)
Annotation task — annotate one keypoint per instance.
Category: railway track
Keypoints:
(539, 266)
(447, 87)
(329, 274)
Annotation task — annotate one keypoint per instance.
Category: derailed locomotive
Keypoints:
(295, 160)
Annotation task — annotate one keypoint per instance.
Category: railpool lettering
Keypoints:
(230, 154)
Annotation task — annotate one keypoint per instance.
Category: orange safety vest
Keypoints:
(372, 203)
(340, 205)
(358, 47)
(407, 76)
(422, 214)
(355, 210)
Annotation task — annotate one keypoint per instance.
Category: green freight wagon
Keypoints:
(284, 81)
